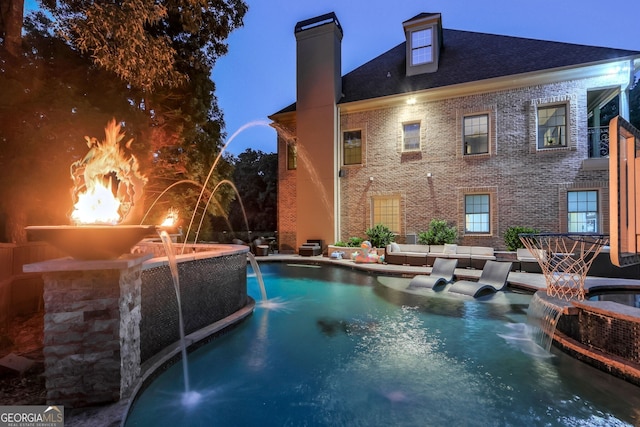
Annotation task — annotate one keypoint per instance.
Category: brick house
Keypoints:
(484, 131)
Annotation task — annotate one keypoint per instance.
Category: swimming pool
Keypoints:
(343, 348)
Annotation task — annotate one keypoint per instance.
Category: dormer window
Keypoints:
(421, 46)
(423, 39)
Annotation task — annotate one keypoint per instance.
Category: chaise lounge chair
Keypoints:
(493, 279)
(441, 275)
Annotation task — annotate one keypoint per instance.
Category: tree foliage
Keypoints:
(146, 63)
(255, 177)
(150, 43)
(438, 233)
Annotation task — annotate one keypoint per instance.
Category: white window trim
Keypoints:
(598, 207)
(570, 102)
(412, 48)
(421, 136)
(566, 125)
(492, 191)
(491, 111)
(362, 146)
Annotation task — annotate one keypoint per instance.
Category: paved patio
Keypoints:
(522, 280)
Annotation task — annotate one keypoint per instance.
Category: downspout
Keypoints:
(625, 90)
(336, 170)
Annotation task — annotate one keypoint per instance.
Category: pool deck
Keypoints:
(528, 281)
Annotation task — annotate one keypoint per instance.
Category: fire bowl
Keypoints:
(91, 242)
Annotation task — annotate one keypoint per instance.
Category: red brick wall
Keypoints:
(527, 187)
(286, 198)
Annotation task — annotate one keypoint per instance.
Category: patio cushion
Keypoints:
(449, 249)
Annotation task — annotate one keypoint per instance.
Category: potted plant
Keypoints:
(380, 236)
(511, 239)
(438, 233)
(346, 247)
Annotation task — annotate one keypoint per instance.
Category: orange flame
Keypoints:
(107, 182)
(171, 219)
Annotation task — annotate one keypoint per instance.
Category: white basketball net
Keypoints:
(565, 260)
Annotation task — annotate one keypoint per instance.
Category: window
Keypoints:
(292, 157)
(476, 213)
(411, 136)
(552, 126)
(352, 147)
(422, 46)
(582, 207)
(475, 132)
(386, 210)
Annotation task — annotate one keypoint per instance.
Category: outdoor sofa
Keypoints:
(418, 255)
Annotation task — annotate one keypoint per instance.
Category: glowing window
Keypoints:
(411, 136)
(386, 211)
(352, 147)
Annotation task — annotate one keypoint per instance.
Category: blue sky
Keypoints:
(257, 77)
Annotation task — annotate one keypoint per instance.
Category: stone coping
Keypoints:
(217, 251)
(611, 308)
(71, 264)
(129, 260)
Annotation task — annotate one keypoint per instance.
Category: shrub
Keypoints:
(511, 239)
(380, 236)
(354, 242)
(438, 233)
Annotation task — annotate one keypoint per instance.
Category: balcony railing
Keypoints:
(598, 141)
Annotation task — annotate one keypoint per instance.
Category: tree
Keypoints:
(152, 73)
(11, 13)
(49, 104)
(256, 179)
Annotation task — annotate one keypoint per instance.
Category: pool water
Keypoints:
(341, 348)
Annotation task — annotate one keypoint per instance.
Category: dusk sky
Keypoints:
(257, 77)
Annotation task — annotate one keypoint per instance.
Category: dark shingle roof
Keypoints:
(468, 57)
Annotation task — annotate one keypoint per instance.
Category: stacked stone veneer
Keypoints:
(91, 329)
(104, 318)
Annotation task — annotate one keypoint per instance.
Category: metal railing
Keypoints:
(598, 141)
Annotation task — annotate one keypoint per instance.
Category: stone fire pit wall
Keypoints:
(103, 318)
(91, 328)
(212, 288)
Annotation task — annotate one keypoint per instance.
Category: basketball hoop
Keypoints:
(565, 260)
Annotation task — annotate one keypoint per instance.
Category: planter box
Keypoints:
(348, 252)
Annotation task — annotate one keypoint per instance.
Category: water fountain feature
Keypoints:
(256, 269)
(542, 318)
(189, 397)
(113, 300)
(215, 163)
